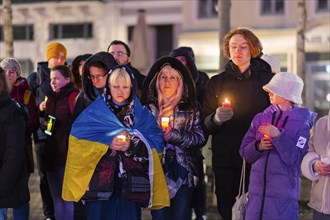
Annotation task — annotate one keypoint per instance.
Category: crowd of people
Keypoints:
(110, 141)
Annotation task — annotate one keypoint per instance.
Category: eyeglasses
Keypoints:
(119, 53)
(96, 77)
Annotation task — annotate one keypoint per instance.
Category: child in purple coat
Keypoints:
(275, 145)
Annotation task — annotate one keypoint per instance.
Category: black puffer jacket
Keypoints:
(57, 144)
(187, 134)
(14, 191)
(247, 97)
(88, 95)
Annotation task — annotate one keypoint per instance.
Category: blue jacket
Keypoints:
(274, 186)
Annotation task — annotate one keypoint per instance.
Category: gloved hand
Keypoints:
(222, 114)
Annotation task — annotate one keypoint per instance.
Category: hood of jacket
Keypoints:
(190, 62)
(104, 57)
(294, 114)
(108, 97)
(149, 92)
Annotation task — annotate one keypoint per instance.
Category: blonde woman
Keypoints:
(121, 150)
(170, 94)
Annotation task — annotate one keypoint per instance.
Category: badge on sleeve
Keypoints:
(301, 142)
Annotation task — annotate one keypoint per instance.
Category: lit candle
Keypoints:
(266, 137)
(164, 122)
(226, 104)
(46, 98)
(121, 138)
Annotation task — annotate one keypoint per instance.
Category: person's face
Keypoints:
(120, 91)
(119, 52)
(56, 61)
(182, 59)
(80, 67)
(276, 99)
(239, 51)
(11, 76)
(168, 83)
(57, 80)
(97, 76)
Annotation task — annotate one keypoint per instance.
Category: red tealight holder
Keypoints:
(226, 103)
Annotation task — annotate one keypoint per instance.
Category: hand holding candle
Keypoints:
(164, 122)
(121, 138)
(226, 103)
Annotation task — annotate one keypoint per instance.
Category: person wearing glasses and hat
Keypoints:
(122, 53)
(93, 78)
(275, 145)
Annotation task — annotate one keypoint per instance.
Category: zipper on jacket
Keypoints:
(266, 162)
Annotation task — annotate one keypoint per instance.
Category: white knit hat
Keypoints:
(273, 62)
(286, 85)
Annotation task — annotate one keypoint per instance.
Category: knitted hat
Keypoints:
(11, 63)
(55, 49)
(286, 85)
(273, 62)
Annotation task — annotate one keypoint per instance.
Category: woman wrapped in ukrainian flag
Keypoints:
(113, 163)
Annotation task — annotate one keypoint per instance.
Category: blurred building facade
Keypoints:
(89, 26)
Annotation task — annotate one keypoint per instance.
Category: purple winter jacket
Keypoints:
(274, 186)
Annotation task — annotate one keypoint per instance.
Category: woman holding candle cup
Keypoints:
(121, 151)
(170, 94)
(241, 83)
(316, 167)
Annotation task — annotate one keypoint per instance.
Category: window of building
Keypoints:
(272, 7)
(27, 67)
(65, 31)
(323, 5)
(20, 32)
(207, 8)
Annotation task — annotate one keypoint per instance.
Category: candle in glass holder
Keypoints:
(121, 138)
(164, 122)
(226, 103)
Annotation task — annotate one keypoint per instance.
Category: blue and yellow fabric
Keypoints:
(90, 137)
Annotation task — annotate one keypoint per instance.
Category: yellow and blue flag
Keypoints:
(90, 137)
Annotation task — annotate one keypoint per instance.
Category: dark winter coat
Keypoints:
(14, 191)
(22, 94)
(57, 105)
(39, 83)
(247, 98)
(274, 187)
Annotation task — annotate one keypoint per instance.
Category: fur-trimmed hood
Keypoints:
(149, 92)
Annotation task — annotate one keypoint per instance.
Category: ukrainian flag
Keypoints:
(90, 137)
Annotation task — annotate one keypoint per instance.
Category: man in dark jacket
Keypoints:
(241, 83)
(122, 53)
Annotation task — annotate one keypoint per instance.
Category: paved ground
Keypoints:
(212, 214)
(36, 205)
